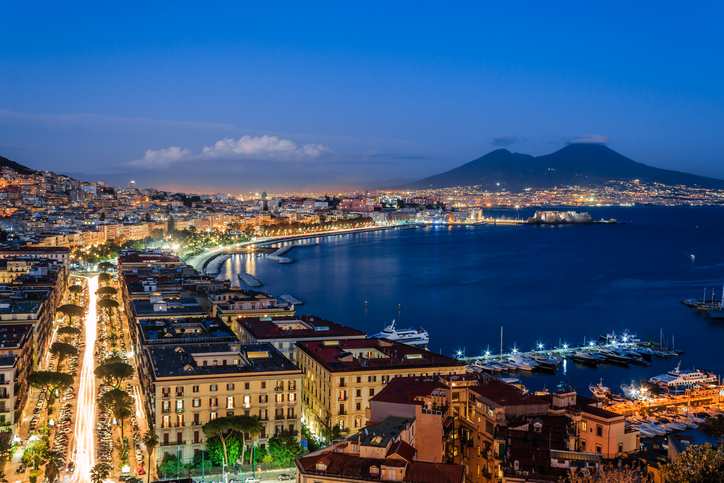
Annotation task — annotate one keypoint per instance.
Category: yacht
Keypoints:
(678, 379)
(599, 390)
(416, 338)
(585, 358)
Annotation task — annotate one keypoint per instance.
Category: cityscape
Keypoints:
(244, 245)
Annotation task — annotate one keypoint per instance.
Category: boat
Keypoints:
(585, 358)
(631, 391)
(545, 363)
(415, 338)
(654, 428)
(615, 357)
(599, 390)
(524, 364)
(678, 379)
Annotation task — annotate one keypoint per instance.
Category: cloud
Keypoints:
(247, 147)
(590, 139)
(502, 141)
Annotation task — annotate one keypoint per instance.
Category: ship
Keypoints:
(678, 379)
(599, 390)
(415, 338)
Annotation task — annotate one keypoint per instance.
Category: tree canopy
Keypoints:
(67, 331)
(62, 350)
(114, 372)
(99, 473)
(119, 403)
(698, 464)
(216, 449)
(107, 304)
(104, 277)
(50, 379)
(75, 288)
(106, 291)
(285, 448)
(71, 310)
(105, 266)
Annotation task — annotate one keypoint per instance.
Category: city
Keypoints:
(380, 242)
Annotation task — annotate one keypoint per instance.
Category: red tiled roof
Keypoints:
(504, 394)
(263, 328)
(404, 390)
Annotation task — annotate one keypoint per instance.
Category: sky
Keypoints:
(240, 96)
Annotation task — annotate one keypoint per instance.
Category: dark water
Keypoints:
(540, 283)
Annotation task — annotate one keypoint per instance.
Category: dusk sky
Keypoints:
(234, 97)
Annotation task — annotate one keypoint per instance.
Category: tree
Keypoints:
(150, 439)
(223, 428)
(119, 403)
(52, 467)
(108, 305)
(62, 350)
(36, 454)
(169, 466)
(105, 266)
(99, 473)
(104, 278)
(157, 233)
(250, 425)
(698, 464)
(67, 331)
(216, 449)
(285, 448)
(52, 380)
(608, 474)
(114, 373)
(71, 310)
(106, 291)
(75, 290)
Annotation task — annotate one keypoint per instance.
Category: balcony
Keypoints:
(213, 407)
(196, 423)
(179, 394)
(279, 388)
(178, 425)
(279, 418)
(4, 395)
(291, 416)
(180, 410)
(166, 394)
(173, 443)
(166, 410)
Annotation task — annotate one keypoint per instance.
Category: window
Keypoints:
(584, 426)
(212, 416)
(263, 398)
(359, 392)
(263, 385)
(246, 386)
(583, 446)
(196, 437)
(456, 395)
(195, 389)
(179, 405)
(206, 363)
(262, 414)
(179, 391)
(230, 402)
(598, 448)
(229, 413)
(599, 430)
(213, 387)
(280, 398)
(196, 403)
(293, 397)
(357, 423)
(166, 422)
(247, 401)
(359, 379)
(230, 387)
(371, 378)
(372, 392)
(359, 406)
(620, 447)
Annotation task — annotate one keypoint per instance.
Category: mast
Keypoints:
(501, 342)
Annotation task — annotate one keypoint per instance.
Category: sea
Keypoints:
(546, 285)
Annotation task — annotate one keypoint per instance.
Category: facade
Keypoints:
(233, 303)
(187, 386)
(342, 376)
(8, 372)
(61, 255)
(283, 332)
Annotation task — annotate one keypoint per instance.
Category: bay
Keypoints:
(542, 284)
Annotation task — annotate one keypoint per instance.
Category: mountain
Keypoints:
(575, 164)
(19, 168)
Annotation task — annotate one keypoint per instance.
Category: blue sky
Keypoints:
(244, 96)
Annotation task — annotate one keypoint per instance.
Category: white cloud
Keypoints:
(162, 157)
(247, 147)
(590, 139)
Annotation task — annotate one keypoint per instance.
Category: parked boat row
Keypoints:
(663, 423)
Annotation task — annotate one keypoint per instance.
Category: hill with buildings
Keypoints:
(574, 165)
(18, 168)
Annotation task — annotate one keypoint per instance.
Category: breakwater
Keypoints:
(249, 279)
(212, 266)
(277, 255)
(290, 299)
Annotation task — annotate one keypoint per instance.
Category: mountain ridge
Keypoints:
(575, 164)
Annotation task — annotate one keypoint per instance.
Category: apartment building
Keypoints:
(230, 304)
(386, 452)
(283, 332)
(8, 413)
(187, 386)
(342, 376)
(61, 255)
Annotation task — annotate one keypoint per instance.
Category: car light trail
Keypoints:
(85, 416)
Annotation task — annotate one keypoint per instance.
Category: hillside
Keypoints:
(15, 166)
(576, 164)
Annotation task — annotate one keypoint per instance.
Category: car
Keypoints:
(251, 479)
(284, 477)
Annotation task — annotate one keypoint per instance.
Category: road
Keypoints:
(85, 413)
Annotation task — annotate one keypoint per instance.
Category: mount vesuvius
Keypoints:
(575, 164)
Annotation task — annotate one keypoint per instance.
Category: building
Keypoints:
(283, 332)
(187, 386)
(180, 332)
(17, 341)
(598, 430)
(59, 254)
(341, 376)
(419, 399)
(8, 373)
(229, 304)
(135, 259)
(381, 453)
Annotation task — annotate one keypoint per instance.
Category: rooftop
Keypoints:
(409, 390)
(379, 436)
(368, 354)
(295, 327)
(221, 359)
(185, 331)
(167, 308)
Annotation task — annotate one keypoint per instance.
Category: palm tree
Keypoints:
(99, 473)
(119, 403)
(52, 467)
(150, 439)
